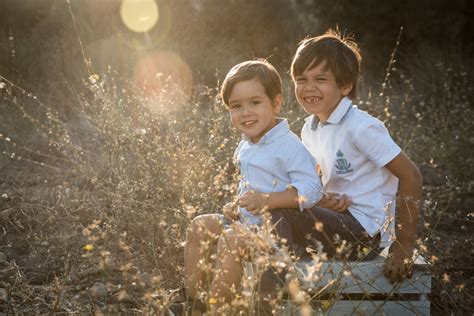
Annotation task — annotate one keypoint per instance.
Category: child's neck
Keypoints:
(323, 117)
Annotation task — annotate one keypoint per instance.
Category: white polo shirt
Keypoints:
(352, 148)
(277, 161)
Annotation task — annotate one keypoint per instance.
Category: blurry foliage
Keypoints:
(213, 35)
(116, 186)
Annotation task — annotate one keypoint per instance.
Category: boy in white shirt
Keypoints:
(276, 171)
(357, 156)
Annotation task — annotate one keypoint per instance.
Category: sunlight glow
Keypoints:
(139, 15)
(164, 74)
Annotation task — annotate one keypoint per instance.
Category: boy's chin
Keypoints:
(310, 112)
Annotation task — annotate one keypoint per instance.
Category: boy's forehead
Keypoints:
(321, 63)
(251, 88)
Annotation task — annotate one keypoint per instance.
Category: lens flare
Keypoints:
(164, 75)
(139, 15)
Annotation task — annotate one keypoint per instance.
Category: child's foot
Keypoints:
(185, 306)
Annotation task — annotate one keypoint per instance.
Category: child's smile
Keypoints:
(318, 92)
(312, 99)
(251, 110)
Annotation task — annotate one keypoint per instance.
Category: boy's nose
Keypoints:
(246, 110)
(310, 87)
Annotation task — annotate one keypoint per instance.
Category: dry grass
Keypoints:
(95, 202)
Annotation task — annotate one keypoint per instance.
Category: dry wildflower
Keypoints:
(302, 199)
(423, 248)
(296, 293)
(460, 287)
(148, 296)
(445, 278)
(319, 226)
(212, 301)
(341, 248)
(5, 196)
(126, 267)
(156, 279)
(123, 246)
(190, 211)
(325, 304)
(93, 78)
(88, 247)
(122, 295)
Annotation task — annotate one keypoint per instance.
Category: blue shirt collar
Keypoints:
(281, 128)
(336, 116)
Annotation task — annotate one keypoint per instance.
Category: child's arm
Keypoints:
(335, 203)
(397, 265)
(230, 211)
(255, 201)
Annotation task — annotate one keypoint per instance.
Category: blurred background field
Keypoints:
(112, 135)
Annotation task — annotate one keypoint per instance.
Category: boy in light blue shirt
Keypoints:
(277, 161)
(276, 169)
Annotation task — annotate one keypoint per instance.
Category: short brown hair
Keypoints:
(259, 69)
(341, 54)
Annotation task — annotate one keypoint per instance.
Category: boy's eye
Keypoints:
(234, 106)
(255, 102)
(300, 80)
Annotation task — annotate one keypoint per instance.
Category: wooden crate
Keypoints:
(360, 288)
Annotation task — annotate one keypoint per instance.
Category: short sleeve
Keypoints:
(375, 142)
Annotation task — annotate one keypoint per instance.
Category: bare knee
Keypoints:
(207, 226)
(232, 242)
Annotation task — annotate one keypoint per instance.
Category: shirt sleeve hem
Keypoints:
(306, 200)
(385, 159)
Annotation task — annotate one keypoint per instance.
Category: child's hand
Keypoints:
(253, 201)
(231, 211)
(335, 202)
(398, 264)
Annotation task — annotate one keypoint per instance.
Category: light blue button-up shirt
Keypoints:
(277, 161)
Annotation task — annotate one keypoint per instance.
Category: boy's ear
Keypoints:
(277, 102)
(346, 89)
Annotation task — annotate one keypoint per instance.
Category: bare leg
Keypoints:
(201, 236)
(228, 274)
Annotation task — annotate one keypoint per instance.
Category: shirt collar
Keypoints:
(336, 116)
(281, 128)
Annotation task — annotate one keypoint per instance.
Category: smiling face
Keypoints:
(317, 91)
(252, 112)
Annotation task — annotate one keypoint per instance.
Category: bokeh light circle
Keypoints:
(139, 15)
(165, 75)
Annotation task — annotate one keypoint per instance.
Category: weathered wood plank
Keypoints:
(379, 308)
(360, 288)
(362, 277)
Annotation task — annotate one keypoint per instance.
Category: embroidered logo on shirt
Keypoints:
(342, 165)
